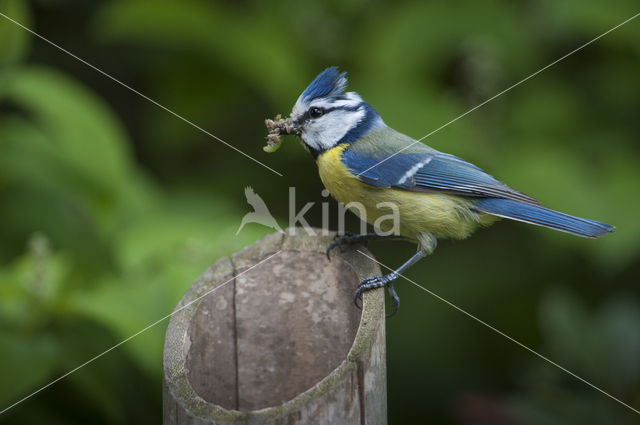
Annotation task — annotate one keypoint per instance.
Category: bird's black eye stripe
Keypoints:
(316, 112)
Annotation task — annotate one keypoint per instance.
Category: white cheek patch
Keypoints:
(325, 132)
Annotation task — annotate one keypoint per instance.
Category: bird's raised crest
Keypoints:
(329, 83)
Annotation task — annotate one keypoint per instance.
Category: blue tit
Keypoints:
(362, 160)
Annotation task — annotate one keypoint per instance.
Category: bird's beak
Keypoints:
(292, 127)
(281, 127)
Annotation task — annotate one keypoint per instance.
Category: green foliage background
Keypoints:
(110, 207)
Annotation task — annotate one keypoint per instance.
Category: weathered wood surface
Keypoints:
(280, 342)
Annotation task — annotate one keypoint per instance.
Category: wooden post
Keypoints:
(279, 343)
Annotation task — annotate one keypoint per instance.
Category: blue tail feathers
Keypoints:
(535, 214)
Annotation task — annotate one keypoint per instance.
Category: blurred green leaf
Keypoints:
(133, 216)
(127, 307)
(566, 327)
(226, 37)
(617, 329)
(86, 139)
(14, 41)
(27, 360)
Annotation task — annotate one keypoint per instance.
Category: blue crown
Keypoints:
(328, 83)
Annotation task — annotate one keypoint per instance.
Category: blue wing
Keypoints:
(390, 159)
(427, 170)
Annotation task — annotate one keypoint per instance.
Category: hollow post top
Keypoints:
(272, 331)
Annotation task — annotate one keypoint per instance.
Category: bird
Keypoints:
(260, 213)
(362, 160)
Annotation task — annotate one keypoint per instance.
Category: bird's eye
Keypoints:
(316, 112)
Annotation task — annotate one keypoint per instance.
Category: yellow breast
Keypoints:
(443, 215)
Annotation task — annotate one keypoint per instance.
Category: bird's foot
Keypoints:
(374, 282)
(348, 238)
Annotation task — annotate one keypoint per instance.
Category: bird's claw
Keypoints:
(395, 299)
(338, 240)
(367, 284)
(374, 282)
